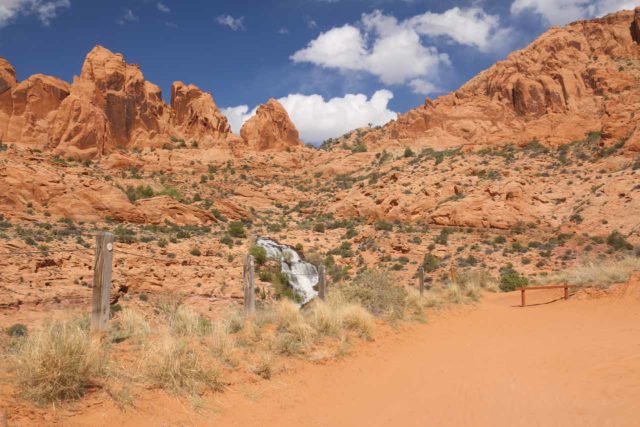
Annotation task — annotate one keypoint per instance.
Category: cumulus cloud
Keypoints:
(560, 12)
(318, 119)
(229, 21)
(163, 7)
(394, 51)
(44, 10)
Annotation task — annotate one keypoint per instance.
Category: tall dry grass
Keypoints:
(59, 362)
(598, 273)
(180, 366)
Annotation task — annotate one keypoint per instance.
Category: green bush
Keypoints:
(384, 226)
(319, 228)
(259, 254)
(510, 279)
(236, 229)
(17, 330)
(618, 242)
(430, 263)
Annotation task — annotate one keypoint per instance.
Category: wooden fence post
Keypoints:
(322, 283)
(421, 280)
(248, 283)
(101, 282)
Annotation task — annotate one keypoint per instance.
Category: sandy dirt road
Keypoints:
(566, 363)
(573, 363)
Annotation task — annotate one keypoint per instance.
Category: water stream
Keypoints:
(303, 276)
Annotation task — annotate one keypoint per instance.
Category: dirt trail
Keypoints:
(566, 363)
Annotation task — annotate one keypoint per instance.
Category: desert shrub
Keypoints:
(430, 263)
(236, 229)
(408, 152)
(319, 228)
(59, 362)
(376, 291)
(179, 367)
(618, 242)
(383, 226)
(259, 254)
(195, 251)
(17, 330)
(510, 279)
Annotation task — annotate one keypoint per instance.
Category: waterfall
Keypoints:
(303, 276)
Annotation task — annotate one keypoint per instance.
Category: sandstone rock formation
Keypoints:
(27, 107)
(271, 128)
(109, 106)
(196, 114)
(571, 80)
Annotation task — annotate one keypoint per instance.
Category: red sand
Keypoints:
(567, 363)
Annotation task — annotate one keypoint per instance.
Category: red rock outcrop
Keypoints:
(27, 108)
(571, 80)
(196, 114)
(109, 106)
(271, 128)
(7, 75)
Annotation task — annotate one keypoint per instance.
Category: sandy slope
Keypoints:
(566, 363)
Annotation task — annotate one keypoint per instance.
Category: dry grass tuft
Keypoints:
(186, 322)
(57, 363)
(357, 319)
(600, 273)
(324, 319)
(180, 367)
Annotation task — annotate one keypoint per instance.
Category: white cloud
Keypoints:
(560, 12)
(234, 23)
(471, 26)
(45, 10)
(128, 16)
(394, 50)
(422, 87)
(283, 31)
(237, 116)
(318, 119)
(163, 7)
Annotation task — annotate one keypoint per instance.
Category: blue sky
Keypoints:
(334, 64)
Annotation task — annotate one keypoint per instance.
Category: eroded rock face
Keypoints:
(28, 107)
(196, 114)
(271, 128)
(109, 106)
(569, 81)
(7, 75)
(133, 107)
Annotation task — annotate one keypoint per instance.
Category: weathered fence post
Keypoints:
(248, 283)
(101, 282)
(421, 280)
(322, 283)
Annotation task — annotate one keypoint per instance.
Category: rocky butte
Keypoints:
(111, 106)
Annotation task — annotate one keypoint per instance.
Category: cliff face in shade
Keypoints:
(109, 106)
(571, 80)
(271, 128)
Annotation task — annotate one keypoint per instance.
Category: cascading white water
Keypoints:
(303, 276)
